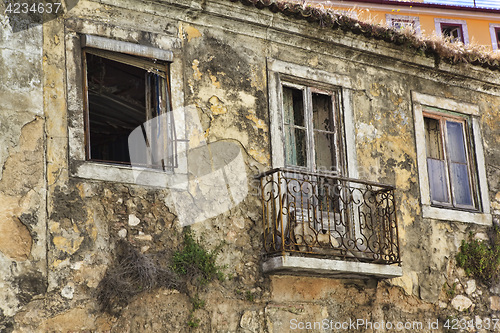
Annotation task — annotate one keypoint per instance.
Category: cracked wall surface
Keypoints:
(59, 226)
(23, 273)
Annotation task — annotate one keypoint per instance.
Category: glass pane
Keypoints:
(293, 106)
(295, 146)
(325, 151)
(322, 112)
(456, 144)
(437, 180)
(460, 184)
(433, 142)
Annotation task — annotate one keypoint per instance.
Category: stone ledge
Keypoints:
(329, 268)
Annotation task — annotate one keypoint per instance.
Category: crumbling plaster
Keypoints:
(22, 166)
(220, 53)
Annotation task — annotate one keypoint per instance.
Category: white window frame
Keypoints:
(420, 101)
(402, 18)
(277, 68)
(494, 41)
(439, 21)
(79, 166)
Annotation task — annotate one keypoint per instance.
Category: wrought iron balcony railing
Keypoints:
(328, 216)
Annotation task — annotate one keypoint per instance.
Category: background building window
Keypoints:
(125, 93)
(449, 164)
(401, 22)
(495, 36)
(455, 30)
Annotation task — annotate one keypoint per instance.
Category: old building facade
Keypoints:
(338, 166)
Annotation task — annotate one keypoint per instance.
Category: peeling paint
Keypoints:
(217, 106)
(191, 32)
(197, 74)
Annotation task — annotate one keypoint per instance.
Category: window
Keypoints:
(455, 30)
(450, 160)
(128, 118)
(310, 130)
(400, 22)
(449, 164)
(495, 36)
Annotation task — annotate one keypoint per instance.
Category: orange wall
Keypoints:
(478, 30)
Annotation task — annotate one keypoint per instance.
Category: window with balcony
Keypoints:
(318, 218)
(451, 165)
(454, 30)
(310, 128)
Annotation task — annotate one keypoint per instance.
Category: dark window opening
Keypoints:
(124, 94)
(453, 32)
(497, 34)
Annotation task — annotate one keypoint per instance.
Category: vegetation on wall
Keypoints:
(188, 269)
(481, 259)
(196, 263)
(437, 47)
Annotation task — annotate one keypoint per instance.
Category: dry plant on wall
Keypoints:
(133, 273)
(433, 46)
(189, 269)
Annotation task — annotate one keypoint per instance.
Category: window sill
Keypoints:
(446, 214)
(126, 174)
(329, 268)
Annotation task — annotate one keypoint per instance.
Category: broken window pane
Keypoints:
(324, 151)
(295, 133)
(309, 129)
(295, 147)
(322, 112)
(433, 142)
(324, 137)
(293, 105)
(121, 98)
(116, 98)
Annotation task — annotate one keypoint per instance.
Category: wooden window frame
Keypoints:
(162, 68)
(308, 88)
(442, 117)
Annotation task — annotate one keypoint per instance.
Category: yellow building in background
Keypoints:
(467, 24)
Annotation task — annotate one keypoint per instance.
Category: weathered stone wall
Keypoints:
(23, 272)
(220, 71)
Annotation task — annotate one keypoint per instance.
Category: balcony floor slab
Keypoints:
(329, 267)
